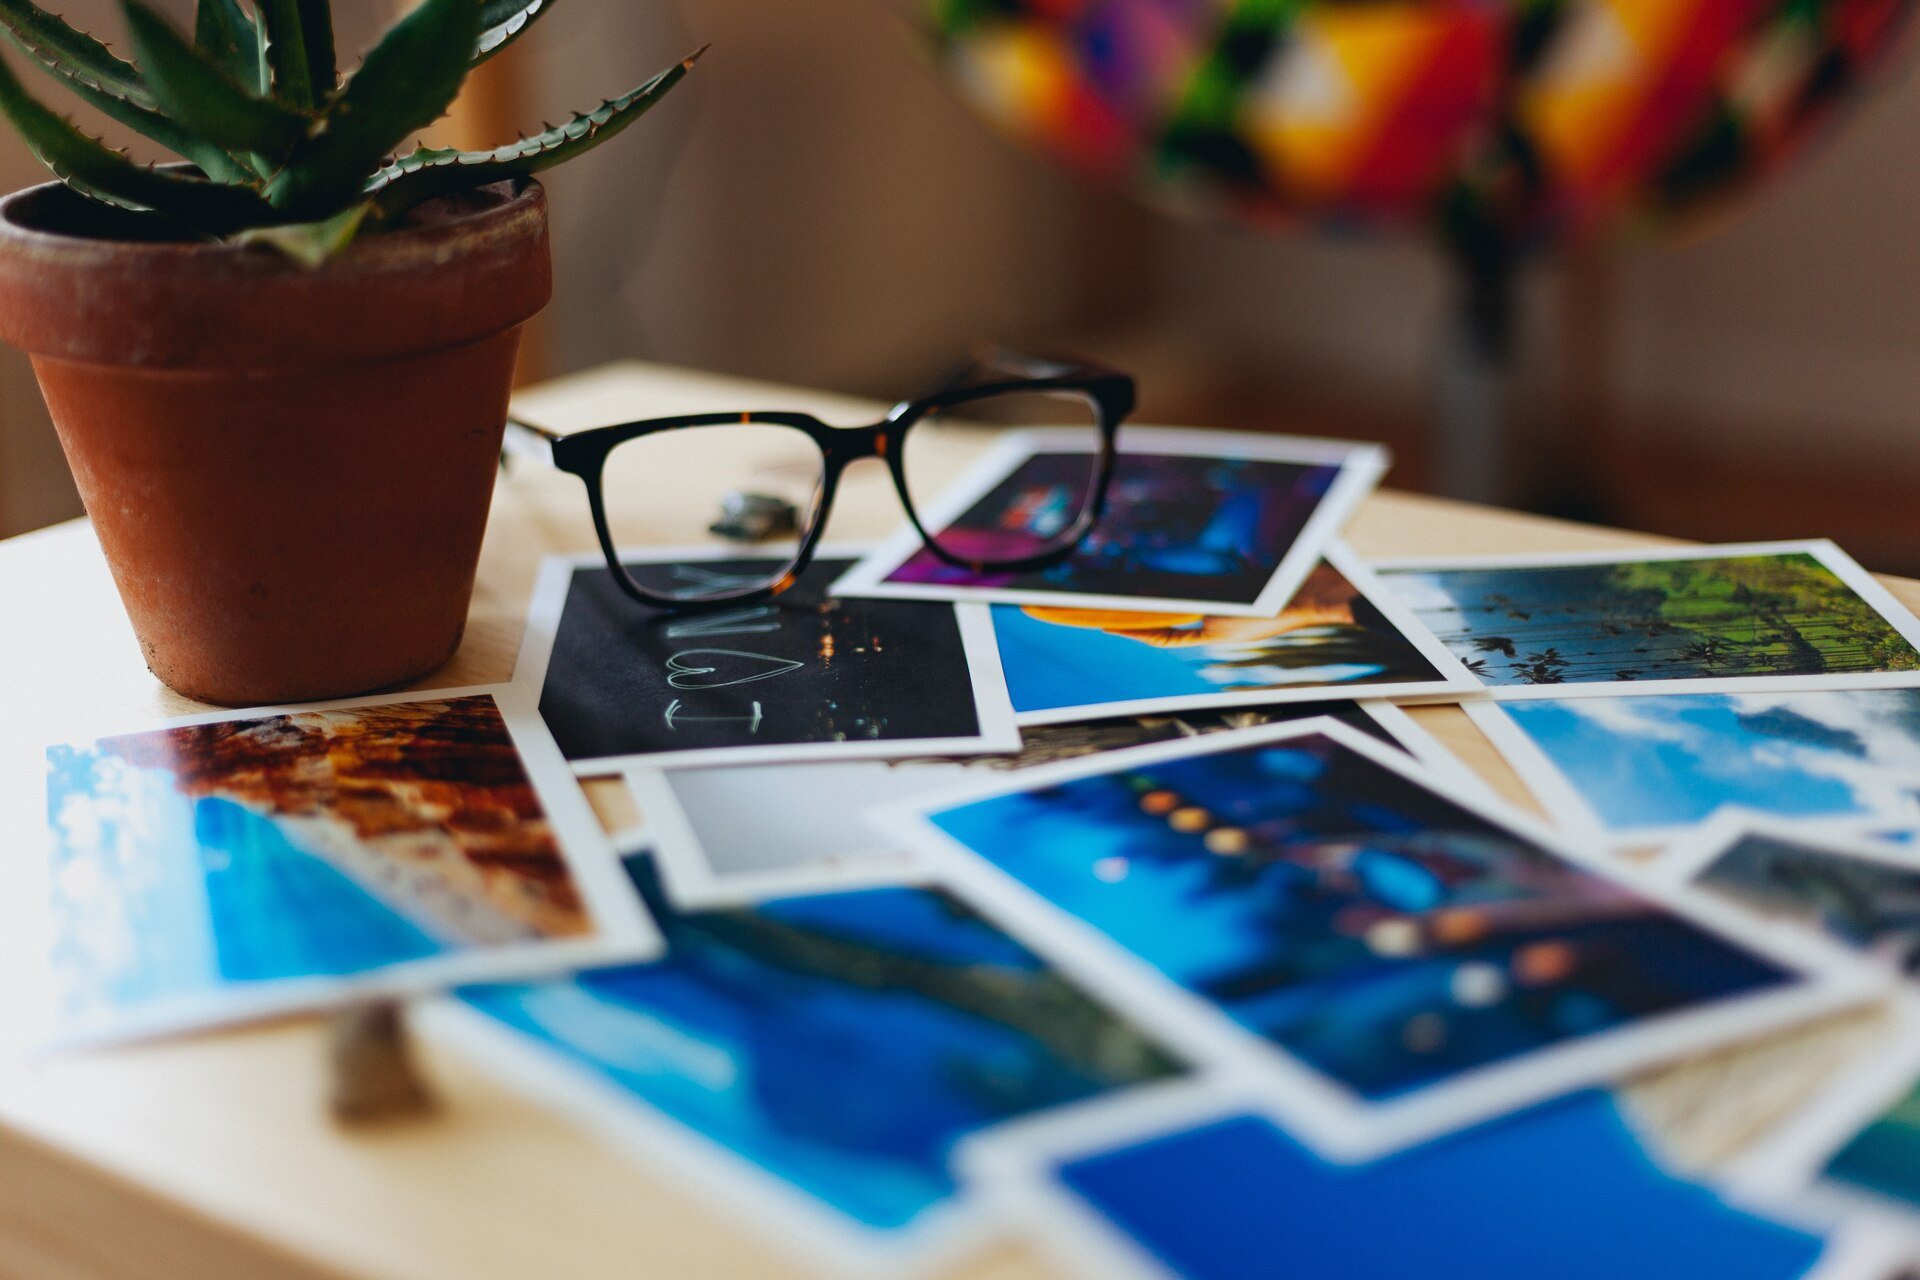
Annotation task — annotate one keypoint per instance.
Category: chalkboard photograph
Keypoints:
(803, 676)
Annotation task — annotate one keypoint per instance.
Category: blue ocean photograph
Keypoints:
(1564, 1190)
(843, 1043)
(1368, 926)
(1646, 764)
(226, 857)
(1328, 635)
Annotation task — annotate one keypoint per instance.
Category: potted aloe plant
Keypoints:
(280, 368)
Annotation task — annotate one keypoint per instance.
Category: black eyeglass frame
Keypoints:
(584, 454)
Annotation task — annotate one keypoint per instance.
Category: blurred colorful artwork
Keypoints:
(1531, 119)
(1565, 1190)
(1329, 640)
(1712, 618)
(228, 868)
(841, 1043)
(1645, 767)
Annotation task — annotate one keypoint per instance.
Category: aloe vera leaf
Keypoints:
(406, 83)
(291, 77)
(227, 33)
(428, 172)
(95, 169)
(194, 90)
(72, 53)
(504, 21)
(310, 243)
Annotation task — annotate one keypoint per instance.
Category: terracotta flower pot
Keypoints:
(289, 469)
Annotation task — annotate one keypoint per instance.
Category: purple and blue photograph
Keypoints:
(842, 1044)
(1330, 641)
(1220, 1194)
(1791, 614)
(221, 870)
(1211, 521)
(1642, 769)
(1325, 902)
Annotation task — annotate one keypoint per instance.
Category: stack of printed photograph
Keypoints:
(1120, 905)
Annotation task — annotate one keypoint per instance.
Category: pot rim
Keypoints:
(464, 267)
(520, 194)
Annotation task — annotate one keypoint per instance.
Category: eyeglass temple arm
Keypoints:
(533, 428)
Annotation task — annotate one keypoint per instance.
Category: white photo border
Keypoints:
(624, 932)
(693, 882)
(992, 709)
(1838, 562)
(1331, 1118)
(1361, 467)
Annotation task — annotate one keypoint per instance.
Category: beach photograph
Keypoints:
(213, 860)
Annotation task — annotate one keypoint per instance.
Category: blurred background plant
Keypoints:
(820, 206)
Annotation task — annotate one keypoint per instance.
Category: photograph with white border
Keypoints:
(1339, 636)
(1244, 535)
(728, 833)
(1144, 1149)
(810, 1063)
(802, 676)
(1757, 616)
(1861, 892)
(1160, 876)
(1642, 771)
(1850, 1153)
(239, 865)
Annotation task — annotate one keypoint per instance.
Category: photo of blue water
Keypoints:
(161, 896)
(1562, 1191)
(843, 1043)
(1371, 928)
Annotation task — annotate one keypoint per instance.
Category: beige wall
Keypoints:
(816, 207)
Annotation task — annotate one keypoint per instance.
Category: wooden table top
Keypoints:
(213, 1155)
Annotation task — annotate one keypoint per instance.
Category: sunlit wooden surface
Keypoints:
(212, 1157)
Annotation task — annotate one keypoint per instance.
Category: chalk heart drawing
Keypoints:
(721, 668)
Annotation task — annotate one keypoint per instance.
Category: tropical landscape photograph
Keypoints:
(1770, 614)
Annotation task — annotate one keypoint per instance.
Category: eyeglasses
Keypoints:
(673, 475)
